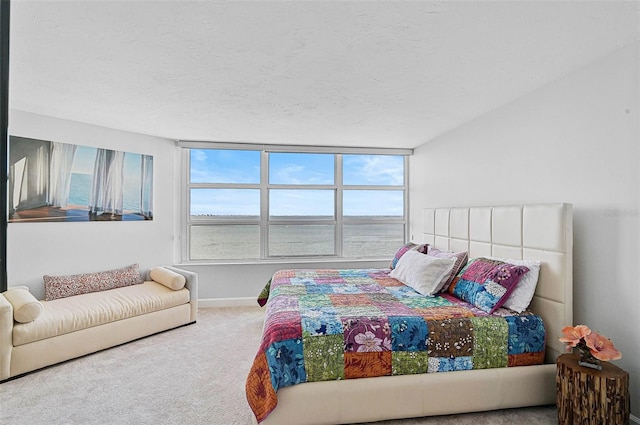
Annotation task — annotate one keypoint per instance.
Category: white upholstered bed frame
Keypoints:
(539, 232)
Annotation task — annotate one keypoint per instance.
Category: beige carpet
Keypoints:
(192, 375)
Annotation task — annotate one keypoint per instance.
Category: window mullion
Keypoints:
(185, 240)
(302, 186)
(224, 186)
(406, 199)
(338, 204)
(264, 204)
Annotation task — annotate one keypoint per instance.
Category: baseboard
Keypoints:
(227, 302)
(634, 419)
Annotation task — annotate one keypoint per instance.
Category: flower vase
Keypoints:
(587, 359)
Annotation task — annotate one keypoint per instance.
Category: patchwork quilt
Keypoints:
(343, 324)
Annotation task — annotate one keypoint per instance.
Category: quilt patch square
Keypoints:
(286, 363)
(409, 362)
(366, 334)
(324, 357)
(364, 311)
(382, 297)
(281, 326)
(366, 365)
(350, 300)
(526, 334)
(490, 336)
(388, 282)
(302, 281)
(441, 313)
(395, 309)
(260, 389)
(319, 322)
(426, 302)
(362, 281)
(347, 289)
(372, 289)
(329, 280)
(403, 291)
(359, 280)
(287, 290)
(314, 301)
(284, 274)
(449, 364)
(319, 289)
(525, 359)
(378, 273)
(408, 333)
(450, 338)
(283, 303)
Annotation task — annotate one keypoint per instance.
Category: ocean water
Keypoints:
(81, 187)
(242, 241)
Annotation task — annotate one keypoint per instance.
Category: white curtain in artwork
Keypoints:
(146, 188)
(16, 176)
(62, 155)
(107, 188)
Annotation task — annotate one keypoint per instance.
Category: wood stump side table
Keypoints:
(587, 396)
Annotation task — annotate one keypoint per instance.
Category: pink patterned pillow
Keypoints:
(403, 249)
(67, 286)
(461, 261)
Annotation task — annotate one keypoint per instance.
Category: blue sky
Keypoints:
(242, 167)
(85, 157)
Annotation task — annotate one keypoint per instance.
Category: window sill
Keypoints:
(332, 260)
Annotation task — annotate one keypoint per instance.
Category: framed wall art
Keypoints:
(58, 182)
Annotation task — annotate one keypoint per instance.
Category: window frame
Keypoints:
(264, 221)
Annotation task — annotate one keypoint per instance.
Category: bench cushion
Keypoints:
(70, 314)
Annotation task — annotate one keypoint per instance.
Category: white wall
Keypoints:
(575, 140)
(35, 249)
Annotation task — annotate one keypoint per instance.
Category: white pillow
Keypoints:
(26, 308)
(521, 297)
(168, 278)
(422, 272)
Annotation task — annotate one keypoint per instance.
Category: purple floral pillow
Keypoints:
(487, 283)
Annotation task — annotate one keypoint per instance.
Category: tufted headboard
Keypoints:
(534, 232)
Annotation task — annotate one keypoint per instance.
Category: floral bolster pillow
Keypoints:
(487, 283)
(65, 286)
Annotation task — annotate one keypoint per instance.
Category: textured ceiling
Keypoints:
(378, 74)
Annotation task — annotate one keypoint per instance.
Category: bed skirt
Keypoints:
(408, 396)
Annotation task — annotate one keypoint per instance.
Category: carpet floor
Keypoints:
(192, 375)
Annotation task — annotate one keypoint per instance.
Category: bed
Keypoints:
(540, 232)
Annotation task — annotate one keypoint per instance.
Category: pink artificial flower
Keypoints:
(573, 335)
(601, 347)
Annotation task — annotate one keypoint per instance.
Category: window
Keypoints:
(263, 203)
(224, 204)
